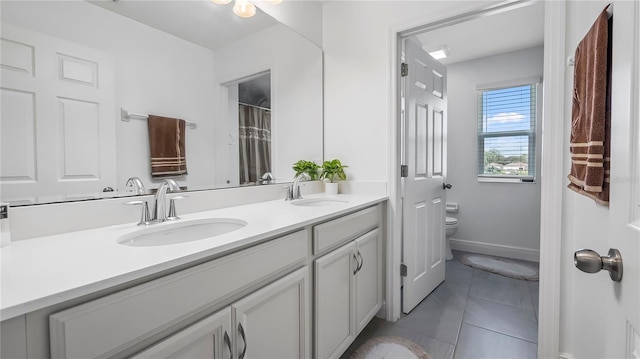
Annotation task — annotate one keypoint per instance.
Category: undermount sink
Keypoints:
(180, 231)
(318, 202)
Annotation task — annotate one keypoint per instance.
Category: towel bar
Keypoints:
(570, 60)
(127, 116)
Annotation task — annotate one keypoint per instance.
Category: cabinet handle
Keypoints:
(361, 261)
(244, 340)
(357, 264)
(228, 342)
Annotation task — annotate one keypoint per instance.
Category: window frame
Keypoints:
(531, 133)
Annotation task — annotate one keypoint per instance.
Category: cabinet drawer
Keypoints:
(330, 234)
(105, 326)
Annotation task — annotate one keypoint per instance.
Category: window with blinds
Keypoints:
(507, 120)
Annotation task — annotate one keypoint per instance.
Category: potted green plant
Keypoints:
(332, 171)
(308, 167)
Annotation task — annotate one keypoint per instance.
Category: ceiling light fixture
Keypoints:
(439, 53)
(244, 8)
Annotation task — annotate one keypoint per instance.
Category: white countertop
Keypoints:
(40, 272)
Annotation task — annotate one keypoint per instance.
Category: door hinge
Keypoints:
(404, 69)
(403, 270)
(404, 171)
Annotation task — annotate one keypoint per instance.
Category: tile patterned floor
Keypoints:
(472, 314)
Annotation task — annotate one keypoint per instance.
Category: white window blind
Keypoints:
(507, 120)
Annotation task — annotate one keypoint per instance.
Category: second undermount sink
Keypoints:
(180, 231)
(318, 202)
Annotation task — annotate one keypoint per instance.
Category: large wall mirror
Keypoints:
(79, 77)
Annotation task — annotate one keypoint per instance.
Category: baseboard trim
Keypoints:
(565, 356)
(499, 250)
(382, 313)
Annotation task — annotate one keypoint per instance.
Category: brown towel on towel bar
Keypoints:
(166, 144)
(591, 113)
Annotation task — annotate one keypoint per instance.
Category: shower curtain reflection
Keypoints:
(255, 143)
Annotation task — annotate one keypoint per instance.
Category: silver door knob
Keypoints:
(591, 262)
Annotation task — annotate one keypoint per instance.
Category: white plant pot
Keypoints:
(330, 188)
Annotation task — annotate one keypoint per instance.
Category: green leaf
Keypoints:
(308, 167)
(332, 170)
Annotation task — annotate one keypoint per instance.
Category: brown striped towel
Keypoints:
(591, 113)
(166, 145)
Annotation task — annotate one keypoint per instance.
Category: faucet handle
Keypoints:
(289, 189)
(172, 208)
(296, 193)
(145, 218)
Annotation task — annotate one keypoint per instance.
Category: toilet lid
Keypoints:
(451, 220)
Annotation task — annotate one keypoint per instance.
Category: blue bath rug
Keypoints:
(503, 266)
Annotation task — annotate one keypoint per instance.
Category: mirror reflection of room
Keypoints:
(123, 61)
(254, 125)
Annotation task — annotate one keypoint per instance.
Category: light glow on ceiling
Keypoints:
(243, 8)
(440, 53)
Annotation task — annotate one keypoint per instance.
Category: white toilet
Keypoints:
(451, 226)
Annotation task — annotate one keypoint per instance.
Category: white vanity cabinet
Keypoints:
(275, 320)
(113, 324)
(348, 281)
(305, 292)
(272, 322)
(208, 338)
(334, 302)
(369, 278)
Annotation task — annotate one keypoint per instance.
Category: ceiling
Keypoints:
(199, 21)
(213, 26)
(504, 32)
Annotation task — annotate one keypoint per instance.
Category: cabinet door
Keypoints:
(334, 294)
(273, 322)
(209, 338)
(368, 278)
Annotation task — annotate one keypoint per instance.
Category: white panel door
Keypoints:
(423, 200)
(58, 117)
(618, 333)
(334, 301)
(274, 322)
(18, 136)
(209, 338)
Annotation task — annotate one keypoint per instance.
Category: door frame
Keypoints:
(552, 167)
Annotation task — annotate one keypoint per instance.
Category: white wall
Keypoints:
(506, 214)
(296, 93)
(304, 17)
(357, 84)
(584, 223)
(143, 83)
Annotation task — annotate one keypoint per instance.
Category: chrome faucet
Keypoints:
(266, 178)
(136, 183)
(160, 200)
(293, 191)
